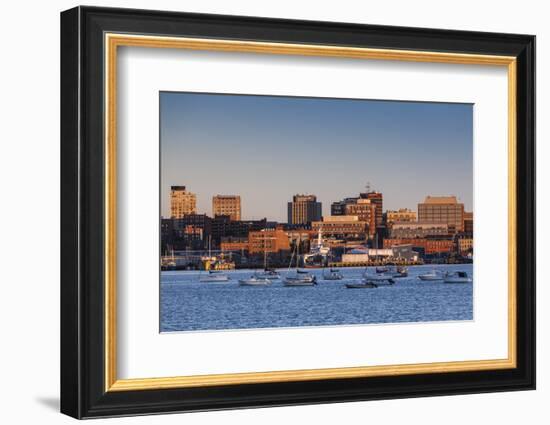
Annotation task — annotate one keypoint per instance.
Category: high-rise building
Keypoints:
(442, 209)
(365, 211)
(377, 199)
(304, 209)
(227, 205)
(339, 207)
(182, 202)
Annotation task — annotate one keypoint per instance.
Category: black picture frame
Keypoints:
(83, 392)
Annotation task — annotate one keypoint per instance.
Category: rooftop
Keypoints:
(440, 200)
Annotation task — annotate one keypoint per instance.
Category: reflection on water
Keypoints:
(187, 304)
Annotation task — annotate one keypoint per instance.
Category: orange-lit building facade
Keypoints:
(342, 226)
(268, 240)
(182, 202)
(229, 205)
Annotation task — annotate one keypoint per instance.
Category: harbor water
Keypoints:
(186, 304)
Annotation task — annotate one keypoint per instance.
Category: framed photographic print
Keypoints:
(261, 212)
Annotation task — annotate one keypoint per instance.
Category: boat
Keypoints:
(308, 280)
(382, 269)
(379, 278)
(269, 274)
(432, 276)
(318, 254)
(361, 285)
(214, 276)
(301, 278)
(333, 274)
(254, 281)
(400, 272)
(458, 277)
(381, 282)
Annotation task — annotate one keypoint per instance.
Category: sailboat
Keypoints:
(267, 273)
(301, 278)
(332, 274)
(213, 276)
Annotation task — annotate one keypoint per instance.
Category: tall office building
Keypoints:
(339, 207)
(182, 202)
(304, 209)
(227, 205)
(377, 199)
(442, 209)
(365, 210)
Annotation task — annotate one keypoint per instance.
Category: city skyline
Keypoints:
(407, 150)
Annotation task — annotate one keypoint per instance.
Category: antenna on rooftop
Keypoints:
(368, 187)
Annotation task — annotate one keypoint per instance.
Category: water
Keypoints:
(189, 305)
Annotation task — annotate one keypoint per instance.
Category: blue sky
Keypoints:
(268, 148)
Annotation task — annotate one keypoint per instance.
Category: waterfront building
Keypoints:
(400, 215)
(427, 245)
(342, 227)
(442, 209)
(399, 230)
(365, 211)
(229, 205)
(304, 209)
(182, 202)
(268, 241)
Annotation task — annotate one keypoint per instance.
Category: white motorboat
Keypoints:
(432, 276)
(214, 276)
(333, 274)
(254, 281)
(458, 277)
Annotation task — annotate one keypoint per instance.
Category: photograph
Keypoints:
(286, 212)
(268, 209)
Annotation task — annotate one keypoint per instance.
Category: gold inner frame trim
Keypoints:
(113, 41)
